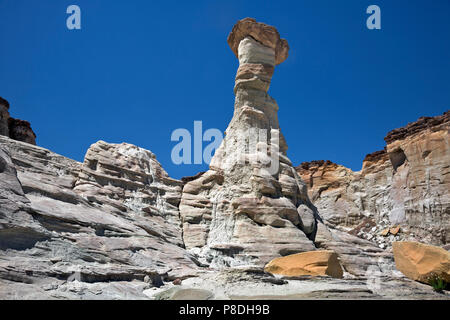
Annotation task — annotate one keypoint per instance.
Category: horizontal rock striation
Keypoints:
(111, 219)
(241, 212)
(129, 179)
(406, 185)
(421, 125)
(118, 227)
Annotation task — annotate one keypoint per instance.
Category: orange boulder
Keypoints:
(314, 263)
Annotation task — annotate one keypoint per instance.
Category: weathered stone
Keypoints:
(18, 229)
(314, 263)
(423, 124)
(357, 256)
(16, 129)
(180, 293)
(4, 116)
(118, 227)
(394, 231)
(20, 130)
(265, 34)
(63, 220)
(192, 294)
(241, 212)
(252, 284)
(308, 219)
(420, 262)
(407, 186)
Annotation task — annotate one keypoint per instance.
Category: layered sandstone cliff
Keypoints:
(106, 228)
(401, 192)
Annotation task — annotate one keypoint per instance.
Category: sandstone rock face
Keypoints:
(129, 179)
(358, 257)
(4, 116)
(118, 227)
(18, 229)
(251, 206)
(403, 188)
(16, 129)
(20, 130)
(315, 263)
(102, 229)
(419, 261)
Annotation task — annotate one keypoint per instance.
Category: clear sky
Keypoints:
(137, 70)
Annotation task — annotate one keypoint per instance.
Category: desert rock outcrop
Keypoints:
(404, 188)
(4, 116)
(251, 206)
(420, 262)
(108, 227)
(20, 130)
(16, 129)
(116, 226)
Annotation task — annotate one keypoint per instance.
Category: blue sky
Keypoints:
(137, 70)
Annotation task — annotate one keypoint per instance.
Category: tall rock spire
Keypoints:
(251, 206)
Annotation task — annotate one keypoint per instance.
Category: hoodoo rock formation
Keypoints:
(118, 227)
(401, 193)
(241, 212)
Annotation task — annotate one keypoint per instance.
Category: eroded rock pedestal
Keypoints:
(251, 206)
(117, 226)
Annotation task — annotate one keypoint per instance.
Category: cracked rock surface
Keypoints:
(114, 224)
(401, 193)
(118, 227)
(251, 206)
